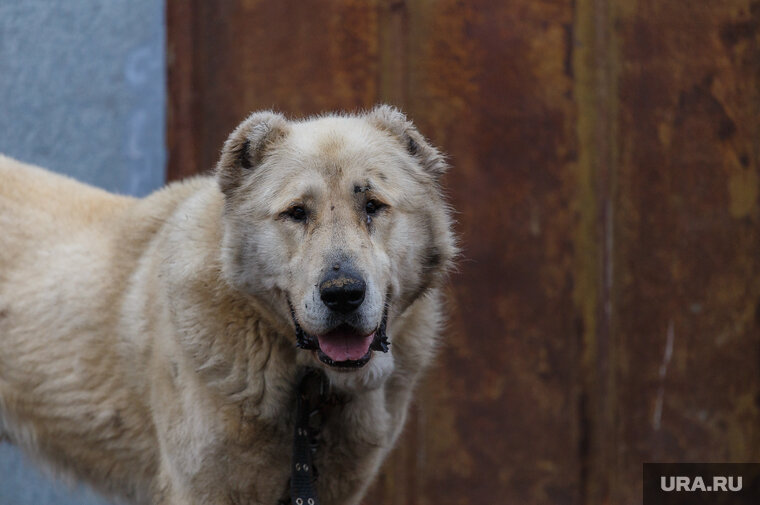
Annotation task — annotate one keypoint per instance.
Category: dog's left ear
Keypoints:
(394, 121)
(247, 146)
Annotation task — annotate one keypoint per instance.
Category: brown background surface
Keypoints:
(605, 173)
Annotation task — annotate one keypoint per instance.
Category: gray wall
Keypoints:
(82, 92)
(82, 89)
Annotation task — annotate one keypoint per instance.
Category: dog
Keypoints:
(153, 347)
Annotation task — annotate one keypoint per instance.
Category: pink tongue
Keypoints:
(342, 345)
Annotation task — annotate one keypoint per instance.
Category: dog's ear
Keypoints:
(246, 147)
(394, 121)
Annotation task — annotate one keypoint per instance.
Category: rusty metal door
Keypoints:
(605, 173)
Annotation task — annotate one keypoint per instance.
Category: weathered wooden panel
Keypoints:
(686, 292)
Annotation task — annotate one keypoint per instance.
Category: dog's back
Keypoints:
(47, 206)
(53, 244)
(67, 251)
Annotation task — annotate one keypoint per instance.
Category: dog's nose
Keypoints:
(342, 290)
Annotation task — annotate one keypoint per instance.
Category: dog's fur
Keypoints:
(147, 346)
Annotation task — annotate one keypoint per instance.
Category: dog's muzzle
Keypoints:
(339, 335)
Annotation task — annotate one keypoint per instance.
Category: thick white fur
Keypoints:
(146, 346)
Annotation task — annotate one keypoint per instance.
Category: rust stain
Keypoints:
(743, 189)
(182, 146)
(605, 173)
(596, 63)
(687, 235)
(445, 442)
(491, 88)
(305, 59)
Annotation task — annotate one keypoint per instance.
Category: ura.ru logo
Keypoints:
(683, 483)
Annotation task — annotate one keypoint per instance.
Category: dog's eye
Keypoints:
(373, 206)
(297, 213)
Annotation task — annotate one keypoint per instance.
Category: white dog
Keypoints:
(150, 346)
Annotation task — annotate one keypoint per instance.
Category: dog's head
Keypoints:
(338, 224)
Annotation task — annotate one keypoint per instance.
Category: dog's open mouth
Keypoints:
(343, 347)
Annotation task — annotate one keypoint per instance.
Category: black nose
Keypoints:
(342, 290)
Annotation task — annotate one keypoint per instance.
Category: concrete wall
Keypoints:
(82, 92)
(82, 89)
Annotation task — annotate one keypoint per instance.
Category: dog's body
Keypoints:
(147, 345)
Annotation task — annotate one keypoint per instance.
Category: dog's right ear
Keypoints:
(246, 147)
